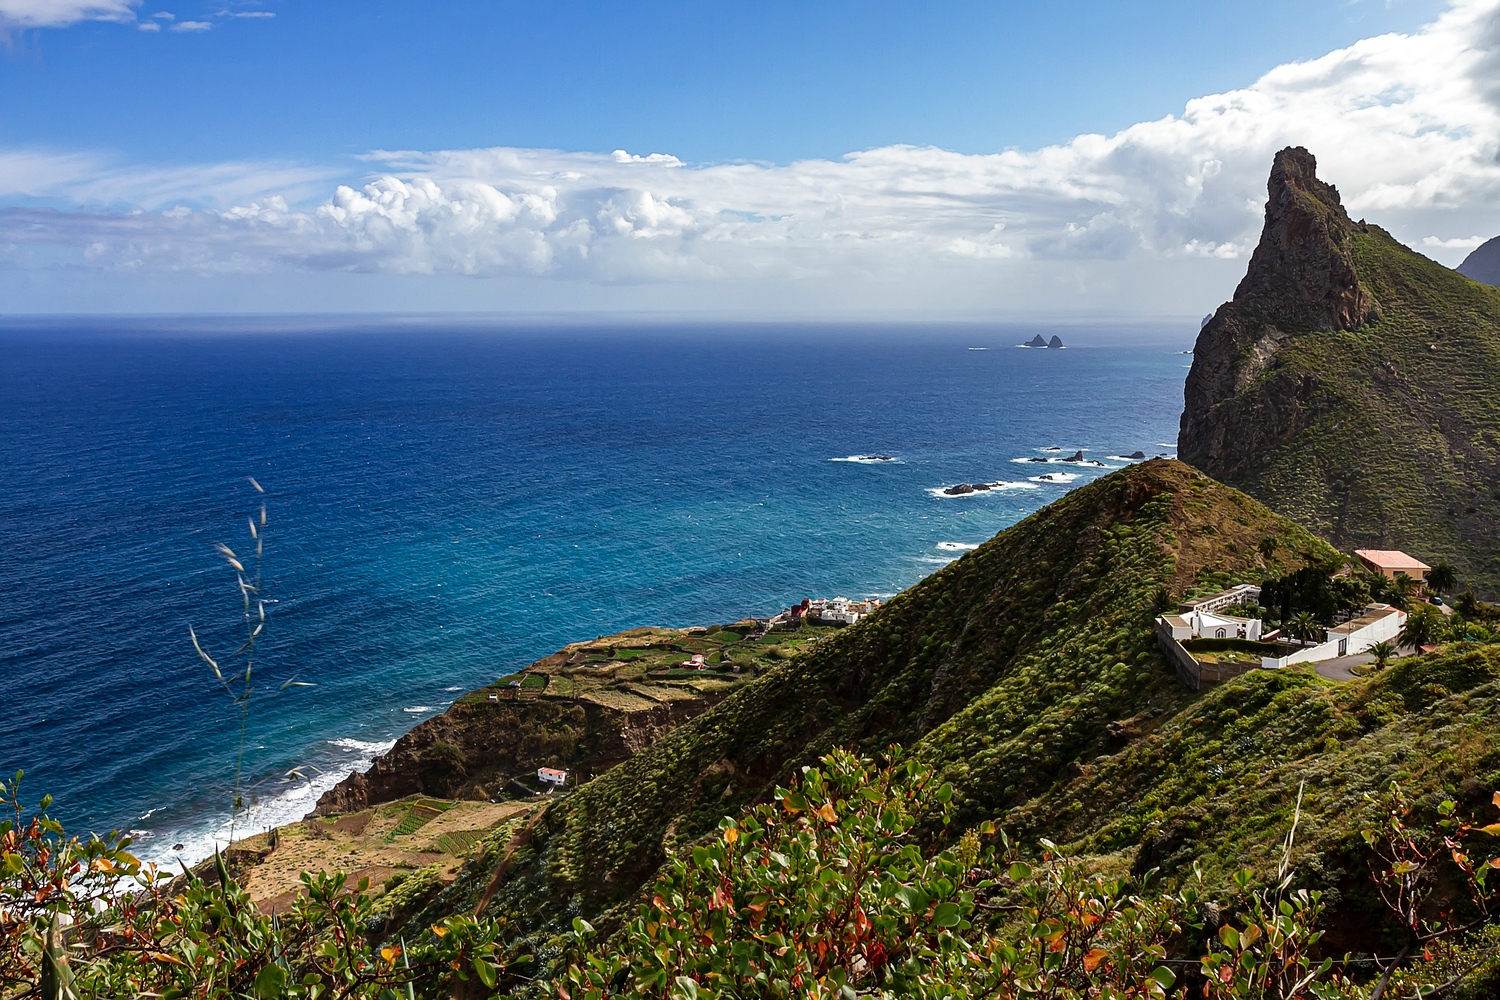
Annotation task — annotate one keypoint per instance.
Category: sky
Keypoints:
(775, 160)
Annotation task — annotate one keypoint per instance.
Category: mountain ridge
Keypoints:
(1349, 384)
(1483, 262)
(1007, 671)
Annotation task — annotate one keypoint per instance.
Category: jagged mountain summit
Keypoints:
(1353, 385)
(1483, 263)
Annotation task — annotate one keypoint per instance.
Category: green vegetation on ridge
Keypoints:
(1028, 655)
(1025, 683)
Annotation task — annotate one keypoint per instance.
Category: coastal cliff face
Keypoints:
(476, 748)
(584, 709)
(1351, 384)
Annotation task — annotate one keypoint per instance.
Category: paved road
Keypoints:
(1339, 668)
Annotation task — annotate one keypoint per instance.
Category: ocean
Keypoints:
(449, 501)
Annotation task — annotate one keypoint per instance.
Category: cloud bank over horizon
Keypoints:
(1406, 125)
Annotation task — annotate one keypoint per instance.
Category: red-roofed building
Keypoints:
(1389, 562)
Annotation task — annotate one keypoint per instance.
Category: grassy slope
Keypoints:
(1009, 669)
(1403, 447)
(1217, 782)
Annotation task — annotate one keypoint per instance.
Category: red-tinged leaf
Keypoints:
(1092, 959)
(827, 813)
(1493, 829)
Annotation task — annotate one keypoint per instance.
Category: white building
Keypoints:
(1377, 623)
(1204, 619)
(840, 610)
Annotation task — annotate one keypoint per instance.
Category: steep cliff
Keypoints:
(585, 709)
(1354, 385)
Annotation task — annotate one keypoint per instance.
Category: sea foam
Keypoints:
(992, 488)
(287, 802)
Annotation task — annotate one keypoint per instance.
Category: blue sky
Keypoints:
(181, 168)
(704, 81)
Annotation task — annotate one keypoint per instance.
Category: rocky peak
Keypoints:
(1301, 279)
(1302, 274)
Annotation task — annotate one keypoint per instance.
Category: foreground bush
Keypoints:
(83, 919)
(827, 892)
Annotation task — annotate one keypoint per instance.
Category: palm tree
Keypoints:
(1419, 630)
(1401, 590)
(1442, 578)
(1268, 546)
(1382, 651)
(1302, 625)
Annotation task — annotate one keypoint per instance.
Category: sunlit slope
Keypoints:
(1006, 669)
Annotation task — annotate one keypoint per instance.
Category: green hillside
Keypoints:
(1024, 679)
(1010, 671)
(1354, 386)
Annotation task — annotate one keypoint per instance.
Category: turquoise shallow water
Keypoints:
(447, 504)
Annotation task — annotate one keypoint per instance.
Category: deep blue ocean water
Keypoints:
(447, 504)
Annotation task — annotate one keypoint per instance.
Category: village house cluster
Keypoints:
(1208, 642)
(818, 611)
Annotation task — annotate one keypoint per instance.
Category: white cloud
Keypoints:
(1407, 126)
(192, 26)
(99, 183)
(60, 13)
(1459, 243)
